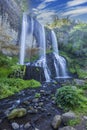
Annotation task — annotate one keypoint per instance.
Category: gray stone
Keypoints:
(79, 82)
(85, 117)
(66, 117)
(35, 100)
(67, 128)
(15, 126)
(56, 121)
(42, 91)
(27, 125)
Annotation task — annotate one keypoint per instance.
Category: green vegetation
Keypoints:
(70, 97)
(37, 95)
(10, 86)
(74, 122)
(11, 77)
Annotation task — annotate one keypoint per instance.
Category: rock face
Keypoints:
(10, 14)
(36, 73)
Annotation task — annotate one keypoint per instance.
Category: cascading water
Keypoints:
(31, 30)
(23, 38)
(42, 61)
(33, 35)
(59, 61)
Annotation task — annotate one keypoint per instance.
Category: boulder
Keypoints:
(66, 117)
(67, 128)
(19, 112)
(56, 121)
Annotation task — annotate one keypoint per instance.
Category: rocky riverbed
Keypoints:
(39, 105)
(35, 109)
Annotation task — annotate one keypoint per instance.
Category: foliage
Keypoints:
(17, 71)
(70, 97)
(57, 22)
(74, 122)
(37, 95)
(11, 86)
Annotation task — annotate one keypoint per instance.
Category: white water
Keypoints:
(42, 61)
(23, 39)
(59, 61)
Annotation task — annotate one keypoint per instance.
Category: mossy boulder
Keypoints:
(19, 112)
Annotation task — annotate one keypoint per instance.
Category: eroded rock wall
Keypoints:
(10, 24)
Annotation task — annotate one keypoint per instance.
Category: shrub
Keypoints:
(69, 97)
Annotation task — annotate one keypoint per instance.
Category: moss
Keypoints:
(11, 86)
(37, 95)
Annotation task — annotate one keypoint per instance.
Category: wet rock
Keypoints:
(67, 128)
(0, 120)
(15, 126)
(27, 125)
(36, 129)
(79, 82)
(32, 111)
(66, 117)
(56, 121)
(19, 112)
(35, 100)
(42, 91)
(41, 104)
(85, 117)
(26, 103)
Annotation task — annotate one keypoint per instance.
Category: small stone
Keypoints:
(26, 103)
(56, 121)
(67, 128)
(35, 100)
(33, 111)
(42, 91)
(27, 125)
(41, 104)
(15, 126)
(66, 117)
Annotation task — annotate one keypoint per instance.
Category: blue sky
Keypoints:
(46, 9)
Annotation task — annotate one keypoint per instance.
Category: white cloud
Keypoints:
(75, 12)
(45, 3)
(45, 16)
(75, 2)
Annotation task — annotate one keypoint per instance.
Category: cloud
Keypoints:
(75, 2)
(76, 11)
(44, 4)
(45, 16)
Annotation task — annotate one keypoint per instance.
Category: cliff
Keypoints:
(10, 24)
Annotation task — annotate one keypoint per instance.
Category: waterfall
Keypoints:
(59, 61)
(33, 36)
(42, 61)
(23, 39)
